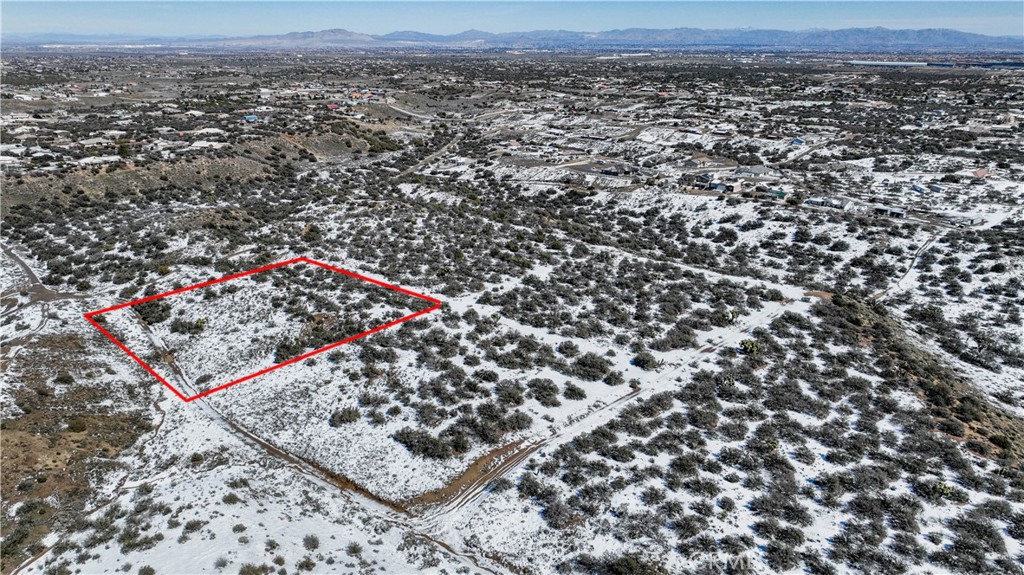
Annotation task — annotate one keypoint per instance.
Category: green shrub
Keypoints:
(573, 392)
(252, 569)
(346, 415)
(591, 367)
(1001, 441)
(645, 360)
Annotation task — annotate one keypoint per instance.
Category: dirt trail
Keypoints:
(37, 294)
(306, 467)
(444, 513)
(819, 294)
(469, 477)
(910, 269)
(301, 464)
(474, 480)
(35, 289)
(432, 157)
(631, 134)
(813, 148)
(408, 113)
(443, 505)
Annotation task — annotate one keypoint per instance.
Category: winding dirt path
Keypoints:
(449, 506)
(429, 159)
(401, 514)
(910, 269)
(35, 289)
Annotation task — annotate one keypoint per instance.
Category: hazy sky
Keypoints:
(233, 18)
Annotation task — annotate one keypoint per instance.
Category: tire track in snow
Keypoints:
(383, 509)
(441, 517)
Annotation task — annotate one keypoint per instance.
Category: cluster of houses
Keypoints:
(756, 181)
(114, 129)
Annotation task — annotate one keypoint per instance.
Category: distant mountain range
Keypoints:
(847, 40)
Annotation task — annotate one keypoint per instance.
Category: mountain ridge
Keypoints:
(850, 39)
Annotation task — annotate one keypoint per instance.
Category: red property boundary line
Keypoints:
(90, 315)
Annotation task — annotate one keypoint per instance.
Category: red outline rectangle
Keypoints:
(89, 316)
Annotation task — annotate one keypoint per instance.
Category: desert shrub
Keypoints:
(906, 546)
(952, 427)
(652, 496)
(187, 327)
(610, 564)
(573, 392)
(645, 360)
(422, 443)
(568, 349)
(1001, 441)
(781, 557)
(679, 336)
(529, 487)
(614, 378)
(559, 515)
(937, 492)
(486, 375)
(367, 399)
(501, 484)
(509, 393)
(518, 421)
(591, 367)
(311, 542)
(702, 418)
(346, 415)
(76, 425)
(153, 312)
(544, 391)
(287, 349)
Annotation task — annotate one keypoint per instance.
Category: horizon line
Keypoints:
(473, 29)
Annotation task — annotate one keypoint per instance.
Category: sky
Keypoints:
(244, 17)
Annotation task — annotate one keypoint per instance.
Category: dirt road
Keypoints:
(811, 149)
(445, 515)
(898, 286)
(35, 288)
(386, 510)
(432, 157)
